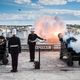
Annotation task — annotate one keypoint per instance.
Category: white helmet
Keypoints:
(14, 32)
(32, 29)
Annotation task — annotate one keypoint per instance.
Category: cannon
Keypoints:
(72, 56)
(68, 51)
(3, 54)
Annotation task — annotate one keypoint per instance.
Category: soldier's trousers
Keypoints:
(14, 57)
(32, 52)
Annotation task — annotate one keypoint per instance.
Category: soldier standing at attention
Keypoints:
(32, 42)
(14, 48)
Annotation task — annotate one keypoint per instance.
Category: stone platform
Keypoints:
(51, 68)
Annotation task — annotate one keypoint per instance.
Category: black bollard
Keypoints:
(37, 63)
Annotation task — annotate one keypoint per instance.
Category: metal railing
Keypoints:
(54, 47)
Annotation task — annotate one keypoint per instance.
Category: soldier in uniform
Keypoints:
(14, 47)
(60, 36)
(32, 42)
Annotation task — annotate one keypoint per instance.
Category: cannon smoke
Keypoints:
(49, 27)
(75, 45)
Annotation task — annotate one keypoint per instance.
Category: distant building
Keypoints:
(22, 31)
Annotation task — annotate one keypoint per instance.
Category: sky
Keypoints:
(27, 12)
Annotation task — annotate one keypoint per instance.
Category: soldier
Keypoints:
(32, 42)
(60, 36)
(14, 48)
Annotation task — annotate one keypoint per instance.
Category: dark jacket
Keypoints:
(33, 37)
(14, 45)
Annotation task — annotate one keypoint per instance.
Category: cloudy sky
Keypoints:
(28, 11)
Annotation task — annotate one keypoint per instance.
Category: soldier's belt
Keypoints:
(14, 46)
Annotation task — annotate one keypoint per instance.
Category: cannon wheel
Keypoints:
(70, 63)
(5, 61)
(79, 62)
(69, 60)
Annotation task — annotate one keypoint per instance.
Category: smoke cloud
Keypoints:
(76, 45)
(49, 27)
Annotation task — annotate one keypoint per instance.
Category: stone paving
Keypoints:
(51, 68)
